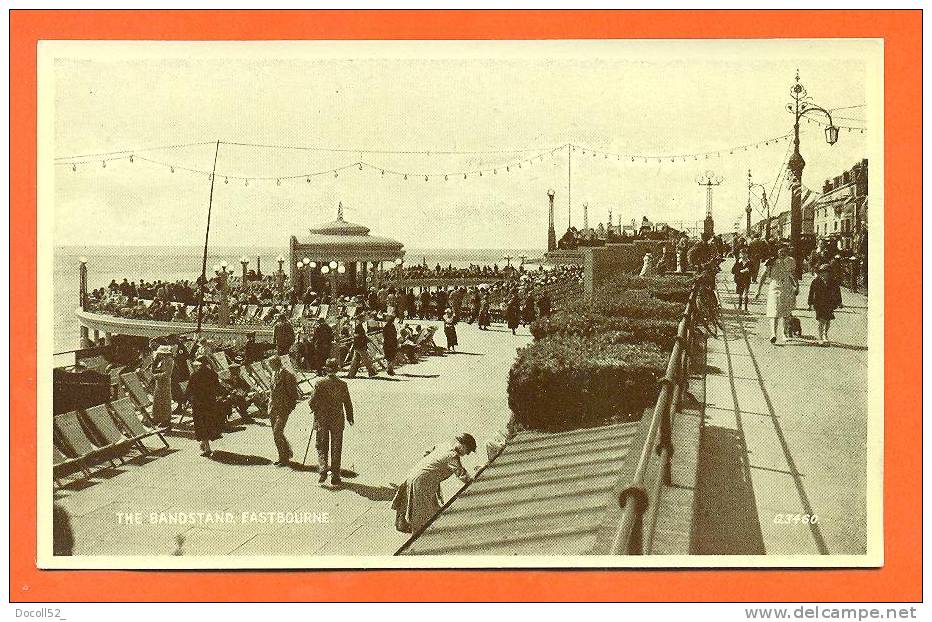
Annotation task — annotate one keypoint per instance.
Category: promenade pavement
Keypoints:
(784, 434)
(397, 420)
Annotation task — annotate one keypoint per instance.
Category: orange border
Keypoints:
(899, 580)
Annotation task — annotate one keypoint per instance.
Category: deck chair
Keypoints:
(125, 414)
(63, 466)
(137, 393)
(68, 427)
(323, 312)
(301, 378)
(258, 372)
(250, 315)
(298, 312)
(252, 381)
(351, 311)
(107, 434)
(221, 360)
(145, 375)
(376, 354)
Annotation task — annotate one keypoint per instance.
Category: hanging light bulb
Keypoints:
(360, 166)
(278, 182)
(308, 180)
(445, 177)
(74, 168)
(131, 158)
(104, 164)
(336, 174)
(425, 178)
(464, 175)
(406, 176)
(171, 168)
(247, 183)
(383, 173)
(226, 180)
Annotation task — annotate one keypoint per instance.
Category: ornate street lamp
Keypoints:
(708, 179)
(763, 191)
(800, 107)
(245, 263)
(551, 231)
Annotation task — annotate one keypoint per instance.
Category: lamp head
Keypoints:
(831, 134)
(551, 193)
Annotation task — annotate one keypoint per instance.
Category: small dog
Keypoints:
(792, 327)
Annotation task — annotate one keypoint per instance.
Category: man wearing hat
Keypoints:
(330, 403)
(204, 391)
(283, 398)
(283, 335)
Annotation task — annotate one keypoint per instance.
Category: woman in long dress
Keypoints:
(449, 329)
(513, 313)
(781, 295)
(204, 391)
(420, 497)
(162, 367)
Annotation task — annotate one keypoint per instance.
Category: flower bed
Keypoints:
(567, 381)
(625, 329)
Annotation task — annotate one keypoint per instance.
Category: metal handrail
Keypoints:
(634, 499)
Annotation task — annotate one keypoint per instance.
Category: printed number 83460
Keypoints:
(791, 519)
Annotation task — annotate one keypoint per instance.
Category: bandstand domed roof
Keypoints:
(341, 239)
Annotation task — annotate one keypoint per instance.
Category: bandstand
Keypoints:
(340, 256)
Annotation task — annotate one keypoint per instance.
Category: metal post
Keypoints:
(203, 279)
(551, 231)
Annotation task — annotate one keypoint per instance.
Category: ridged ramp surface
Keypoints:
(545, 494)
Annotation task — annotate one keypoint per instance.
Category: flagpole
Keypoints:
(210, 203)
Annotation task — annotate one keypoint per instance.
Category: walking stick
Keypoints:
(308, 448)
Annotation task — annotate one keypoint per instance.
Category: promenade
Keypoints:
(397, 420)
(784, 434)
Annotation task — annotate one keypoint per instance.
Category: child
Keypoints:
(742, 274)
(824, 297)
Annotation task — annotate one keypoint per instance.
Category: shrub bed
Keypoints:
(568, 381)
(666, 288)
(629, 330)
(635, 303)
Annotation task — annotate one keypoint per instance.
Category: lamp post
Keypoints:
(800, 107)
(709, 180)
(298, 279)
(763, 191)
(551, 232)
(245, 263)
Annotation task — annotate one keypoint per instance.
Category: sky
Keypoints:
(621, 97)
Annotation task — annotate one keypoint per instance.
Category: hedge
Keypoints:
(667, 288)
(567, 381)
(625, 330)
(635, 303)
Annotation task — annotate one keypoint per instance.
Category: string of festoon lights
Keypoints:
(519, 159)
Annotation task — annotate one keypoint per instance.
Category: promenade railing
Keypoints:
(638, 495)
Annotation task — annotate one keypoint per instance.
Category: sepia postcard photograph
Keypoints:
(460, 304)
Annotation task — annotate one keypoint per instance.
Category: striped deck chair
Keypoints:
(323, 312)
(145, 375)
(251, 312)
(258, 372)
(304, 382)
(298, 312)
(69, 429)
(222, 363)
(311, 311)
(126, 416)
(351, 311)
(191, 311)
(63, 466)
(137, 393)
(107, 434)
(251, 380)
(375, 353)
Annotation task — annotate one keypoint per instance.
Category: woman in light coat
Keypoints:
(419, 498)
(781, 295)
(162, 367)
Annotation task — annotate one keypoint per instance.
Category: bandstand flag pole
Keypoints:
(210, 203)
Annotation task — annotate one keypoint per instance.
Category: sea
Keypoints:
(169, 263)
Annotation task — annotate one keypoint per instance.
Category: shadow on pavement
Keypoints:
(373, 493)
(229, 457)
(725, 520)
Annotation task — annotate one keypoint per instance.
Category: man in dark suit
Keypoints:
(283, 397)
(283, 335)
(330, 403)
(323, 345)
(390, 344)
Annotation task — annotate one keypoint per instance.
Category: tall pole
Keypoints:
(585, 216)
(551, 232)
(796, 165)
(569, 187)
(210, 204)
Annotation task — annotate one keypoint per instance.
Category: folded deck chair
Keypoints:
(68, 427)
(137, 393)
(107, 434)
(63, 466)
(126, 416)
(221, 360)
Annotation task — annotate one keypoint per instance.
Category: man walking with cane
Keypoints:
(283, 398)
(330, 402)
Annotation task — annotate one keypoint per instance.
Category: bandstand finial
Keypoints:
(340, 210)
